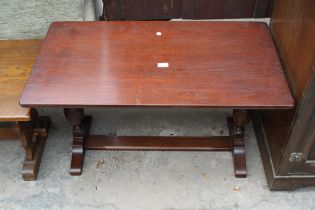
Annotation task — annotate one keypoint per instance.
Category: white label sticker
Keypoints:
(162, 65)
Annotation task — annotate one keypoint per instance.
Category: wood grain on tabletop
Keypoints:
(210, 64)
(16, 61)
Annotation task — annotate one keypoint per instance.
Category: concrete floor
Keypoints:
(143, 180)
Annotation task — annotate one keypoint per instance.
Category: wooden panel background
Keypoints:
(205, 9)
(293, 29)
(187, 9)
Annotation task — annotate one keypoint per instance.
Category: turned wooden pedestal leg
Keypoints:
(80, 129)
(236, 129)
(33, 136)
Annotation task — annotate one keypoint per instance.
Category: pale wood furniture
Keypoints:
(16, 61)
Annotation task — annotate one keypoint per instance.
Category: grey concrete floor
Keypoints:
(143, 179)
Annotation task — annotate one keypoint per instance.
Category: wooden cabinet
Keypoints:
(149, 9)
(187, 9)
(223, 9)
(287, 138)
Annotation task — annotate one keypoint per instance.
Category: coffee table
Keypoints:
(158, 64)
(16, 60)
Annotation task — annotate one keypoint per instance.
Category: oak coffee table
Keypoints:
(16, 60)
(158, 64)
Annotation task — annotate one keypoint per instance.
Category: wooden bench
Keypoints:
(158, 64)
(16, 60)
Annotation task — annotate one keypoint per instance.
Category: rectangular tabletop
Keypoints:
(212, 64)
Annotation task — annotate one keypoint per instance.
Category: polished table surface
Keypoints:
(199, 64)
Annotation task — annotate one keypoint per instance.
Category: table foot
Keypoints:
(236, 131)
(33, 136)
(80, 130)
(82, 141)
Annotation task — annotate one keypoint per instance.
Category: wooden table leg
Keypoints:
(82, 140)
(80, 130)
(236, 129)
(33, 136)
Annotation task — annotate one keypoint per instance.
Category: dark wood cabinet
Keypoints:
(287, 138)
(149, 9)
(187, 9)
(223, 9)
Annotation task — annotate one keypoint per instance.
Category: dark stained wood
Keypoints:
(277, 182)
(287, 143)
(151, 9)
(226, 64)
(7, 131)
(215, 9)
(270, 8)
(33, 136)
(302, 135)
(109, 9)
(236, 131)
(276, 125)
(222, 9)
(186, 9)
(217, 143)
(83, 141)
(80, 130)
(293, 29)
(311, 155)
(262, 8)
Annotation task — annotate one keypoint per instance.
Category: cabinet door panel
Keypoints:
(309, 138)
(186, 9)
(205, 9)
(150, 9)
